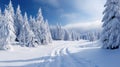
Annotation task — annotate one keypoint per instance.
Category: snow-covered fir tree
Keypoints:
(42, 30)
(9, 14)
(74, 36)
(26, 37)
(47, 32)
(35, 27)
(2, 32)
(44, 33)
(111, 27)
(18, 21)
(5, 30)
(32, 22)
(60, 32)
(67, 35)
(4, 36)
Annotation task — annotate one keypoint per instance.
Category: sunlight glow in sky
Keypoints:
(62, 11)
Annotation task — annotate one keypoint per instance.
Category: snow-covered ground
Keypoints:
(61, 54)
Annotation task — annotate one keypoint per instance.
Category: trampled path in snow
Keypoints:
(58, 54)
(61, 57)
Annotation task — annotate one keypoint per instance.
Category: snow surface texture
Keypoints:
(61, 54)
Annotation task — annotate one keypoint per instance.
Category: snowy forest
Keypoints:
(32, 39)
(34, 31)
(29, 32)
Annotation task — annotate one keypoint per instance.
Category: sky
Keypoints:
(64, 12)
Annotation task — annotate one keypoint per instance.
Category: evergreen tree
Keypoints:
(73, 36)
(42, 31)
(47, 32)
(18, 22)
(35, 28)
(39, 18)
(37, 25)
(1, 31)
(5, 32)
(60, 32)
(9, 14)
(111, 30)
(11, 9)
(32, 23)
(67, 35)
(4, 36)
(26, 36)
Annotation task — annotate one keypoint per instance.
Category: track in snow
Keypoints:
(61, 57)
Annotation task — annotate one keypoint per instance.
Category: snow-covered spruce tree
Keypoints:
(26, 36)
(5, 30)
(74, 36)
(37, 24)
(59, 32)
(53, 32)
(32, 23)
(47, 32)
(2, 32)
(111, 27)
(18, 22)
(42, 29)
(9, 13)
(67, 35)
(4, 36)
(95, 36)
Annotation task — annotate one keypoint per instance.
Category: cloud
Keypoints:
(69, 16)
(92, 25)
(85, 10)
(54, 3)
(77, 11)
(72, 17)
(90, 6)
